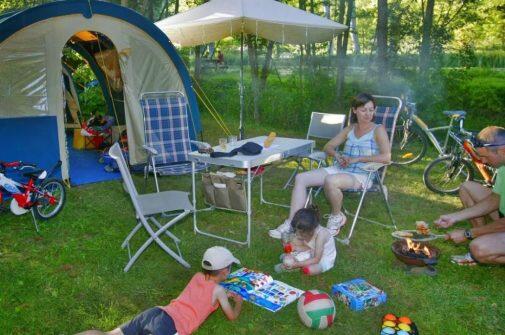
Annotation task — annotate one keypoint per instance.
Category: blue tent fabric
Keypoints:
(30, 139)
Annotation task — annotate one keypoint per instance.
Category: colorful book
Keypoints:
(261, 289)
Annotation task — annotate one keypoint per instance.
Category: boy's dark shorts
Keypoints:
(153, 321)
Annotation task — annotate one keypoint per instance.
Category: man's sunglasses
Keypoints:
(480, 144)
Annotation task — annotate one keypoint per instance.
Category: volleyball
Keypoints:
(316, 309)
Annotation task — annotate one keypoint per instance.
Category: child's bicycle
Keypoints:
(44, 198)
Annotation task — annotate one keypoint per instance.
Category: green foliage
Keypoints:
(480, 92)
(92, 101)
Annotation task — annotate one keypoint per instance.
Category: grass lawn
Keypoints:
(70, 278)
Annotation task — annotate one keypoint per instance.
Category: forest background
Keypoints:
(442, 54)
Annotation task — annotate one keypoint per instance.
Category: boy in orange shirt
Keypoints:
(202, 296)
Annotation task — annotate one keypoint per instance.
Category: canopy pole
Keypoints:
(241, 125)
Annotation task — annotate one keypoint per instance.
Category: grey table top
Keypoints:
(281, 148)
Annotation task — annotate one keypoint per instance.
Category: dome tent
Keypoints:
(31, 85)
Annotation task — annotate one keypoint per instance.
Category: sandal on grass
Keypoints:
(464, 260)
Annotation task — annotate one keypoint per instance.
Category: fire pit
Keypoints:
(415, 254)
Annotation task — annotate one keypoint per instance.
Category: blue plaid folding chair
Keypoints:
(166, 132)
(387, 115)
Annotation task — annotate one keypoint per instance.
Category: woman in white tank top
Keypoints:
(365, 142)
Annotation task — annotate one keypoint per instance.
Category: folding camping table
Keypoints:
(280, 149)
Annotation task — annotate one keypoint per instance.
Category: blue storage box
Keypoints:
(358, 294)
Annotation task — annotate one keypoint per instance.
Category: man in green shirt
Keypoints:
(488, 240)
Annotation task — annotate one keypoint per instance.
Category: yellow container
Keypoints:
(78, 142)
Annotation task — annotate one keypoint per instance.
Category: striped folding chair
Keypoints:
(166, 132)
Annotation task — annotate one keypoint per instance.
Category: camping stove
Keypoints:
(419, 258)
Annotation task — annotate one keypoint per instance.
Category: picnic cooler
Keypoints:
(224, 192)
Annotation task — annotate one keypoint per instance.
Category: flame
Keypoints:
(416, 247)
(427, 251)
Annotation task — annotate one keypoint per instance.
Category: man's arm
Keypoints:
(458, 235)
(231, 312)
(484, 207)
(497, 226)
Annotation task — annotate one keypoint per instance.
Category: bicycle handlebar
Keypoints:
(17, 165)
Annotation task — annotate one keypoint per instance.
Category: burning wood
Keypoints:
(414, 249)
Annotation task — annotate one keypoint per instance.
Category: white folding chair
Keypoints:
(147, 206)
(321, 126)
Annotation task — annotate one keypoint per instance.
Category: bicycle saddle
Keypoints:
(41, 174)
(455, 114)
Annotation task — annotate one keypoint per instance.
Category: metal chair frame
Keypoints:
(147, 206)
(321, 126)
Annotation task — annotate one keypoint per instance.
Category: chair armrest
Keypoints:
(373, 166)
(317, 155)
(150, 150)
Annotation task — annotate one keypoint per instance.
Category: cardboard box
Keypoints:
(358, 294)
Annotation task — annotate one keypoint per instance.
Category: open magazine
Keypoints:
(261, 289)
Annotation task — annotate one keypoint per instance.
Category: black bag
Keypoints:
(248, 149)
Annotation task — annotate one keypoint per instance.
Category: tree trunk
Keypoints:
(425, 52)
(382, 36)
(354, 31)
(253, 63)
(176, 10)
(342, 41)
(265, 71)
(148, 10)
(327, 14)
(258, 80)
(198, 63)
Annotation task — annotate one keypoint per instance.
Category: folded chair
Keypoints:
(166, 130)
(321, 126)
(147, 206)
(387, 112)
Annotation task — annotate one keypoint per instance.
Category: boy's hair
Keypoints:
(214, 273)
(306, 219)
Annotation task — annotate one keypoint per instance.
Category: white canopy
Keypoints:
(269, 19)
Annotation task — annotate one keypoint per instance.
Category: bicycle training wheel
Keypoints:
(50, 200)
(409, 146)
(446, 174)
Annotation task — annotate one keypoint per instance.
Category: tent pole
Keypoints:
(241, 125)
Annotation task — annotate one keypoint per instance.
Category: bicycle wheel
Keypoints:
(446, 174)
(51, 201)
(408, 146)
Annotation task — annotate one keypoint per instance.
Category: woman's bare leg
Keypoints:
(303, 181)
(333, 186)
